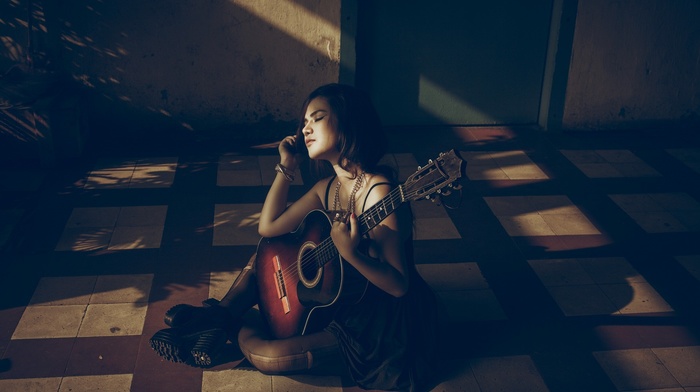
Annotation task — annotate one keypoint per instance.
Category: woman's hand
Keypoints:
(289, 156)
(346, 237)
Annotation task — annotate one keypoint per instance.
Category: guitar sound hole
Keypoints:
(309, 271)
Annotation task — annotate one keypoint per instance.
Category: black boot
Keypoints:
(193, 346)
(182, 314)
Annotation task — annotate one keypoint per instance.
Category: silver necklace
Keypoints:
(351, 201)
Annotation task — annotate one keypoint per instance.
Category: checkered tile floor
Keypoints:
(571, 263)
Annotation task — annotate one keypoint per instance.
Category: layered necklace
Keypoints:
(351, 201)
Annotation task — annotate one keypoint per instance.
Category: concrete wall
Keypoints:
(634, 63)
(192, 65)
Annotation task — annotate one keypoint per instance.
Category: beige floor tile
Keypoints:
(232, 161)
(39, 322)
(93, 217)
(142, 215)
(515, 373)
(635, 298)
(583, 156)
(461, 380)
(561, 272)
(635, 369)
(636, 202)
(526, 225)
(64, 290)
(551, 205)
(111, 289)
(31, 384)
(155, 176)
(611, 270)
(639, 169)
(470, 305)
(485, 172)
(524, 172)
(113, 320)
(108, 382)
(570, 224)
(682, 362)
(618, 156)
(238, 178)
(510, 205)
(691, 263)
(84, 239)
(658, 222)
(236, 380)
(599, 170)
(582, 300)
(220, 282)
(435, 229)
(306, 383)
(136, 237)
(453, 276)
(109, 179)
(236, 224)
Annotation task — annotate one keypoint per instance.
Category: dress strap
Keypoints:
(369, 191)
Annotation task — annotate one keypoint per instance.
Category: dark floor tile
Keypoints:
(37, 358)
(103, 355)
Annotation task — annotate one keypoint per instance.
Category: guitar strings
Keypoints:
(327, 247)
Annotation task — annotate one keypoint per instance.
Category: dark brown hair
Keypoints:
(361, 137)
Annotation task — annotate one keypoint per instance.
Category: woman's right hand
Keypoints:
(289, 156)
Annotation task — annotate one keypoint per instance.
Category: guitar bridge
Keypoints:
(281, 287)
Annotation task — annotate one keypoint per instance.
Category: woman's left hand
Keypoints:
(346, 236)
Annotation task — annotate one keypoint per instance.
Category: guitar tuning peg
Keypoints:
(456, 186)
(446, 192)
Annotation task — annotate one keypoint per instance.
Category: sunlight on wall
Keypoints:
(444, 105)
(298, 22)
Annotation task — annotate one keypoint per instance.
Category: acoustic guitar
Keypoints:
(301, 275)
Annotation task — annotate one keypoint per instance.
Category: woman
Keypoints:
(387, 339)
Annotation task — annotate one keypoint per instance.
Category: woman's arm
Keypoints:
(276, 218)
(388, 271)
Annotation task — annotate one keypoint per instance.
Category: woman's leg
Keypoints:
(316, 352)
(243, 293)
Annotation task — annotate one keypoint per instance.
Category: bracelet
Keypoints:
(289, 175)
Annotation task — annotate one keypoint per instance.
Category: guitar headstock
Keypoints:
(439, 176)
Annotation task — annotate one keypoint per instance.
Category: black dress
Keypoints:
(389, 343)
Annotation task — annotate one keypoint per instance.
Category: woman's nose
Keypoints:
(306, 130)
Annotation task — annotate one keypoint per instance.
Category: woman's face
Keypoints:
(320, 133)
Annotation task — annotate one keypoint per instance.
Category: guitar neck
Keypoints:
(326, 251)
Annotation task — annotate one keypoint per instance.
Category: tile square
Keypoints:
(63, 290)
(97, 217)
(142, 216)
(236, 224)
(636, 369)
(236, 380)
(453, 276)
(111, 382)
(561, 272)
(136, 237)
(676, 201)
(103, 356)
(37, 358)
(49, 321)
(113, 320)
(618, 156)
(38, 384)
(526, 225)
(582, 300)
(116, 178)
(435, 229)
(658, 222)
(682, 362)
(550, 205)
(636, 202)
(635, 298)
(153, 176)
(583, 156)
(570, 224)
(238, 178)
(84, 239)
(307, 383)
(470, 305)
(514, 373)
(611, 270)
(237, 162)
(639, 169)
(111, 289)
(599, 170)
(220, 282)
(691, 263)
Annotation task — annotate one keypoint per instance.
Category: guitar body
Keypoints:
(300, 280)
(301, 276)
